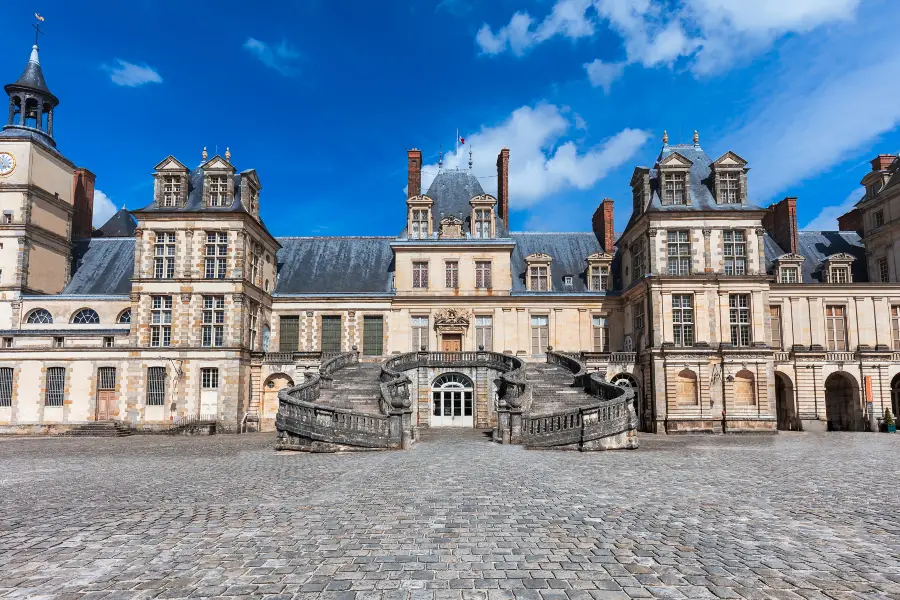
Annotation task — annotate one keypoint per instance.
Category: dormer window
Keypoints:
(839, 275)
(787, 268)
(789, 275)
(482, 216)
(482, 229)
(730, 179)
(569, 283)
(598, 272)
(172, 186)
(538, 273)
(217, 190)
(254, 202)
(419, 228)
(879, 218)
(674, 189)
(729, 188)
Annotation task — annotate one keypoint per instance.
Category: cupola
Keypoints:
(31, 104)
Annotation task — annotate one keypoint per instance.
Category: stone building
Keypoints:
(718, 312)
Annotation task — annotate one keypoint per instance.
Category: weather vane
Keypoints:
(37, 27)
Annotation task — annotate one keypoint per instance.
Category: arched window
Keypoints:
(744, 389)
(86, 316)
(124, 317)
(40, 315)
(686, 388)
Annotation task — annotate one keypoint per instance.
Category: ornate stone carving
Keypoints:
(452, 320)
(450, 228)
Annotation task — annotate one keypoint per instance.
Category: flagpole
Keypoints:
(457, 149)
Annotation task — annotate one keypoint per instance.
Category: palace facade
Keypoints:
(719, 312)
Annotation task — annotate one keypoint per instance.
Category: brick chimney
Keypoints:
(83, 199)
(604, 227)
(414, 183)
(780, 222)
(882, 162)
(851, 221)
(503, 185)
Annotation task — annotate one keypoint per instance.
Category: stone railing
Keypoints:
(305, 424)
(286, 358)
(609, 423)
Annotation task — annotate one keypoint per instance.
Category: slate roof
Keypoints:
(102, 267)
(334, 265)
(451, 191)
(816, 246)
(121, 224)
(569, 252)
(33, 77)
(195, 197)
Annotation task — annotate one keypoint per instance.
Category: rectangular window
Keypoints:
(484, 333)
(679, 252)
(482, 223)
(161, 321)
(600, 327)
(209, 378)
(883, 275)
(7, 342)
(288, 333)
(451, 269)
(568, 283)
(252, 329)
(331, 333)
(255, 252)
(216, 254)
(540, 281)
(683, 319)
(637, 260)
(879, 218)
(420, 275)
(59, 342)
(171, 190)
(739, 319)
(729, 191)
(775, 319)
(7, 218)
(735, 252)
(419, 333)
(599, 279)
(213, 320)
(108, 342)
(419, 229)
(637, 317)
(540, 334)
(895, 327)
(373, 335)
(217, 194)
(56, 385)
(164, 255)
(156, 386)
(673, 190)
(106, 378)
(6, 381)
(835, 329)
(840, 275)
(789, 275)
(482, 274)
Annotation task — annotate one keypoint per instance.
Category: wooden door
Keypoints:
(105, 399)
(451, 343)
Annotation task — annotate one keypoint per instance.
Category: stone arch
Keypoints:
(895, 395)
(843, 410)
(628, 380)
(744, 388)
(686, 388)
(271, 387)
(785, 404)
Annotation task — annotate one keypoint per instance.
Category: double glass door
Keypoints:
(453, 403)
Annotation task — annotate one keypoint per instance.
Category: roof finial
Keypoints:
(205, 154)
(227, 154)
(665, 137)
(696, 138)
(37, 29)
(470, 158)
(441, 158)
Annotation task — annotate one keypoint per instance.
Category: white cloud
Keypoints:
(603, 74)
(131, 75)
(282, 57)
(709, 34)
(104, 209)
(542, 160)
(826, 220)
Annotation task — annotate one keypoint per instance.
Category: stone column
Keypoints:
(12, 109)
(761, 252)
(707, 256)
(650, 257)
(50, 122)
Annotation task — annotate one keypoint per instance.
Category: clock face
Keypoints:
(7, 163)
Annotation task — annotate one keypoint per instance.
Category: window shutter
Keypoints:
(289, 334)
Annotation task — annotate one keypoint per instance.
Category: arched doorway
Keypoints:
(785, 409)
(627, 381)
(453, 401)
(895, 395)
(271, 387)
(842, 408)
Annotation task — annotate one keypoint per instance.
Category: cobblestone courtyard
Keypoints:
(792, 516)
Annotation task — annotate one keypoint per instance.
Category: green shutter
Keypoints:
(289, 334)
(373, 332)
(331, 333)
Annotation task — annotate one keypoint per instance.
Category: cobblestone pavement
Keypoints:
(789, 516)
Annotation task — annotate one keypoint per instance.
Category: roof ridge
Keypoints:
(548, 232)
(336, 237)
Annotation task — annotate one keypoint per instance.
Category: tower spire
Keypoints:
(31, 104)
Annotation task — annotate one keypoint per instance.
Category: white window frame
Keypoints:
(213, 322)
(164, 255)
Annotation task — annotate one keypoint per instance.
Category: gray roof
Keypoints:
(121, 224)
(816, 246)
(451, 191)
(338, 265)
(569, 252)
(195, 196)
(102, 267)
(32, 78)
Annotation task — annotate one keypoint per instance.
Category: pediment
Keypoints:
(730, 159)
(420, 199)
(791, 257)
(483, 199)
(170, 163)
(841, 257)
(538, 257)
(675, 160)
(451, 220)
(217, 163)
(251, 176)
(599, 256)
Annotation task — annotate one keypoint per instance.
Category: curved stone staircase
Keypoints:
(355, 387)
(553, 389)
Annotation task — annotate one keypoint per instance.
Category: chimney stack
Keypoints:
(882, 162)
(780, 223)
(503, 185)
(851, 221)
(604, 227)
(414, 183)
(83, 199)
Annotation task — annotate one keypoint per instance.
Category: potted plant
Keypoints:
(887, 423)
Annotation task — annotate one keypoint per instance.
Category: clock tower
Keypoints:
(36, 192)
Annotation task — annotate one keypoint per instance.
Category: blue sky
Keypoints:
(324, 98)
